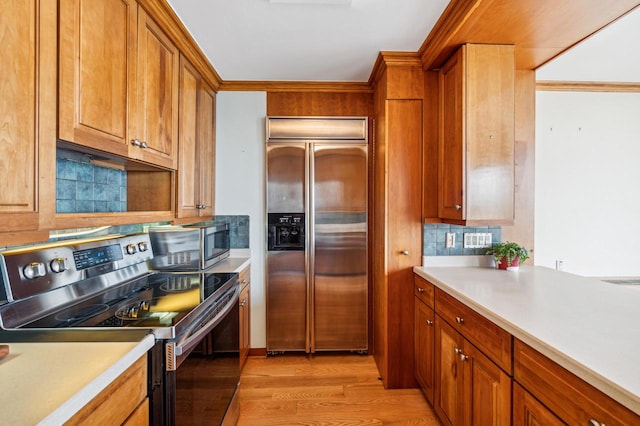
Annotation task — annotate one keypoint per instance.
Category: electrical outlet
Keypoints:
(451, 240)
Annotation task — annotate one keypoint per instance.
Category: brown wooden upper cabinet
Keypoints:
(476, 136)
(118, 76)
(27, 108)
(197, 144)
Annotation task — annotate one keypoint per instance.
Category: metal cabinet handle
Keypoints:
(593, 422)
(458, 206)
(459, 320)
(420, 290)
(144, 145)
(136, 142)
(429, 322)
(405, 252)
(461, 354)
(244, 302)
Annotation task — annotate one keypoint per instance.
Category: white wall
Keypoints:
(240, 140)
(587, 178)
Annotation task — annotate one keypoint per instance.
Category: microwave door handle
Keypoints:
(191, 337)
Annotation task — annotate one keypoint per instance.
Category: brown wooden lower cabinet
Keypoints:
(423, 346)
(570, 398)
(528, 411)
(470, 388)
(122, 402)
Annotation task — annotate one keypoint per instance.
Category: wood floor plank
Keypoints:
(325, 390)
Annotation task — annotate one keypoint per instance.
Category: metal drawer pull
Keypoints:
(405, 252)
(458, 206)
(420, 290)
(429, 322)
(459, 320)
(593, 422)
(461, 354)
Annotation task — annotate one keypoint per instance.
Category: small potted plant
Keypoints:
(508, 255)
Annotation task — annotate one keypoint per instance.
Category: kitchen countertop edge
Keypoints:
(600, 382)
(69, 408)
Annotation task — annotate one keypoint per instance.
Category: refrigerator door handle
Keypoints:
(310, 252)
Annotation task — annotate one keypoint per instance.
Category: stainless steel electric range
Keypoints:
(107, 285)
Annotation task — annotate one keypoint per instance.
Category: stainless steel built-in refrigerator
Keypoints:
(316, 234)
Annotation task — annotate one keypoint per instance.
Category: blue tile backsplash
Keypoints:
(435, 236)
(82, 187)
(238, 230)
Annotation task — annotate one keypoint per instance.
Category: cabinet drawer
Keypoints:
(485, 335)
(424, 290)
(244, 277)
(552, 384)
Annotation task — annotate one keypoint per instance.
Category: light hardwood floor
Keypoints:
(327, 390)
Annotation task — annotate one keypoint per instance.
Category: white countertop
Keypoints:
(47, 383)
(236, 262)
(590, 327)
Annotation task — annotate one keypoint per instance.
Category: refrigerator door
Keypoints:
(287, 287)
(338, 247)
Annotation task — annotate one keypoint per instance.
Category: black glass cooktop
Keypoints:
(156, 300)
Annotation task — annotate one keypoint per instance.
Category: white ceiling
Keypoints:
(612, 54)
(302, 40)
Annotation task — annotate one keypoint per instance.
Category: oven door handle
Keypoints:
(192, 336)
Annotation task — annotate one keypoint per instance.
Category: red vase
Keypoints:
(514, 263)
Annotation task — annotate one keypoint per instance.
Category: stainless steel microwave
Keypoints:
(190, 247)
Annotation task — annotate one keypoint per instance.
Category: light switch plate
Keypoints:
(477, 240)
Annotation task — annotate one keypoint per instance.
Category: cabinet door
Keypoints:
(206, 150)
(188, 188)
(449, 387)
(97, 72)
(424, 347)
(451, 140)
(244, 326)
(27, 114)
(157, 96)
(528, 411)
(488, 390)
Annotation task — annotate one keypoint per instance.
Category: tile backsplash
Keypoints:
(435, 237)
(238, 230)
(82, 187)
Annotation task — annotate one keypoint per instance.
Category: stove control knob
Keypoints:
(34, 270)
(131, 249)
(143, 246)
(59, 264)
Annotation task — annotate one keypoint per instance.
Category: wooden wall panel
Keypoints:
(522, 230)
(320, 104)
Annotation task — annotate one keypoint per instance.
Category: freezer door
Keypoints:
(286, 301)
(286, 177)
(338, 255)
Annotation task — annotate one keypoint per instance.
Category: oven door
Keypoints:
(203, 367)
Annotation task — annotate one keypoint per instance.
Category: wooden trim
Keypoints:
(445, 29)
(89, 220)
(587, 86)
(166, 18)
(295, 86)
(389, 59)
(257, 352)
